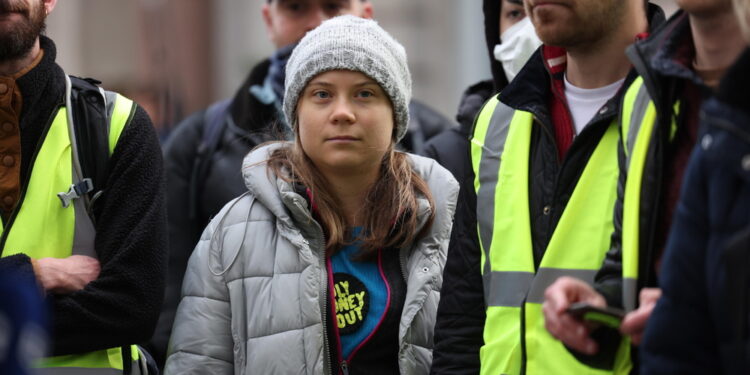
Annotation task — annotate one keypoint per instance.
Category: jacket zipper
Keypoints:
(7, 226)
(324, 293)
(343, 366)
(402, 257)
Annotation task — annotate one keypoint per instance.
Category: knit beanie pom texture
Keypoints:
(355, 44)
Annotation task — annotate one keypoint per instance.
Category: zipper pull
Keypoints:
(344, 368)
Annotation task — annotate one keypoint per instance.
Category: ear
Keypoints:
(49, 5)
(266, 12)
(367, 11)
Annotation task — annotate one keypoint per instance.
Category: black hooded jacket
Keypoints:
(461, 314)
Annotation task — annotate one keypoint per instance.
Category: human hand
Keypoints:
(571, 331)
(66, 275)
(634, 323)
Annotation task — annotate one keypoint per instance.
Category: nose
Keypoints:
(342, 112)
(315, 17)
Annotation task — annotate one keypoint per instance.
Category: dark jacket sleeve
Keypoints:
(680, 337)
(180, 153)
(121, 306)
(609, 278)
(18, 264)
(461, 312)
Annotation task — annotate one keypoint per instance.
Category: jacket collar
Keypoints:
(246, 110)
(670, 50)
(736, 82)
(529, 90)
(44, 80)
(730, 109)
(289, 203)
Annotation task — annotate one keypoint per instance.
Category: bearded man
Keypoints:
(544, 157)
(99, 259)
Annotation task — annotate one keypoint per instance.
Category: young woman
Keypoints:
(332, 261)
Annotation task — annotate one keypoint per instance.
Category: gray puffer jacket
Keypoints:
(255, 291)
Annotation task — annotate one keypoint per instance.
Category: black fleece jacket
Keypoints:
(121, 306)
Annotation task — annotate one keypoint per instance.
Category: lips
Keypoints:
(342, 138)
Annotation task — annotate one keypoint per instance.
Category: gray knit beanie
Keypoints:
(356, 44)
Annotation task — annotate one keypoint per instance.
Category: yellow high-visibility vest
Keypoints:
(515, 339)
(42, 227)
(638, 120)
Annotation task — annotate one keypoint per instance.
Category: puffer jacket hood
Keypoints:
(284, 202)
(261, 184)
(491, 10)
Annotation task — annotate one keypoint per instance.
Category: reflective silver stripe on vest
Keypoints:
(489, 167)
(109, 100)
(546, 276)
(509, 289)
(642, 100)
(506, 289)
(629, 293)
(84, 233)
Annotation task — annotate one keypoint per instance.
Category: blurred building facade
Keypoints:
(177, 56)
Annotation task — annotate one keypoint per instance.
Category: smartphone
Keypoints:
(608, 316)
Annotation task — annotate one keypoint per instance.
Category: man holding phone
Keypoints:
(680, 66)
(544, 162)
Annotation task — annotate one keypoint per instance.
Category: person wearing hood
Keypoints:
(539, 206)
(511, 40)
(330, 262)
(504, 21)
(205, 150)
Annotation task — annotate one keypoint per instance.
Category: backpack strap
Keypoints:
(214, 123)
(89, 112)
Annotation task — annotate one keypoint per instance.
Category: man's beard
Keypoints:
(17, 41)
(592, 23)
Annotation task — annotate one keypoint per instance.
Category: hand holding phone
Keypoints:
(608, 316)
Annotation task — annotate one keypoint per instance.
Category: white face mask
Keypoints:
(518, 44)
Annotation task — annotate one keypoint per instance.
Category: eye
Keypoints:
(365, 94)
(516, 14)
(321, 94)
(332, 8)
(335, 8)
(293, 6)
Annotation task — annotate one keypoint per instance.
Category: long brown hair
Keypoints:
(391, 208)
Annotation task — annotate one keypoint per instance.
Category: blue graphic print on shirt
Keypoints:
(360, 294)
